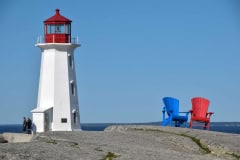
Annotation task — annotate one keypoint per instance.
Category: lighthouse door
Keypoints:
(48, 120)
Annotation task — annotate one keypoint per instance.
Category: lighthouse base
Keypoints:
(42, 119)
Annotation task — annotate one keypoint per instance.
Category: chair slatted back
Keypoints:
(172, 105)
(200, 106)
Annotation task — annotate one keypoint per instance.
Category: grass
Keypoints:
(74, 144)
(194, 139)
(197, 141)
(234, 155)
(110, 156)
(52, 141)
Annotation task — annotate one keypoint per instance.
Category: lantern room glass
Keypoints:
(58, 29)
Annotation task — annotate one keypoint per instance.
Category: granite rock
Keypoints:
(127, 143)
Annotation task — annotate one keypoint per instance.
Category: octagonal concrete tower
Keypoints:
(57, 107)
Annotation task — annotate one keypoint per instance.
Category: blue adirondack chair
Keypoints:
(171, 107)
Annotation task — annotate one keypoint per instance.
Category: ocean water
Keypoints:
(227, 127)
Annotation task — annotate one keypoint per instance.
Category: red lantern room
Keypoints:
(57, 29)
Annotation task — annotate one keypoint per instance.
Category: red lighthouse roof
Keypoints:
(57, 29)
(57, 18)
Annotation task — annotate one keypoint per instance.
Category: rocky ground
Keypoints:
(126, 143)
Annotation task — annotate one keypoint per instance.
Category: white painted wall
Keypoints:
(38, 122)
(54, 91)
(46, 81)
(73, 98)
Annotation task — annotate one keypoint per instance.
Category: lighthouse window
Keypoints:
(50, 28)
(59, 28)
(74, 117)
(72, 88)
(70, 61)
(68, 27)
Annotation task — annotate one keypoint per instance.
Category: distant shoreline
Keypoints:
(1, 124)
(226, 127)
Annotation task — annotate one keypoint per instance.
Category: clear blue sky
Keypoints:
(133, 54)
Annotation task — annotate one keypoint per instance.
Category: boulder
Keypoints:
(2, 140)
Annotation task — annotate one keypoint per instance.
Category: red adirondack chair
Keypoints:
(199, 112)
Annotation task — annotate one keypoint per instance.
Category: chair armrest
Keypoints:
(185, 112)
(164, 109)
(209, 114)
(191, 111)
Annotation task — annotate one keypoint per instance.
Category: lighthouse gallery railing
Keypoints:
(73, 40)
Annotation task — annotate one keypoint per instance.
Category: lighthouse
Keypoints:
(57, 106)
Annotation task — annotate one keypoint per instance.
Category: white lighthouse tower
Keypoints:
(57, 107)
